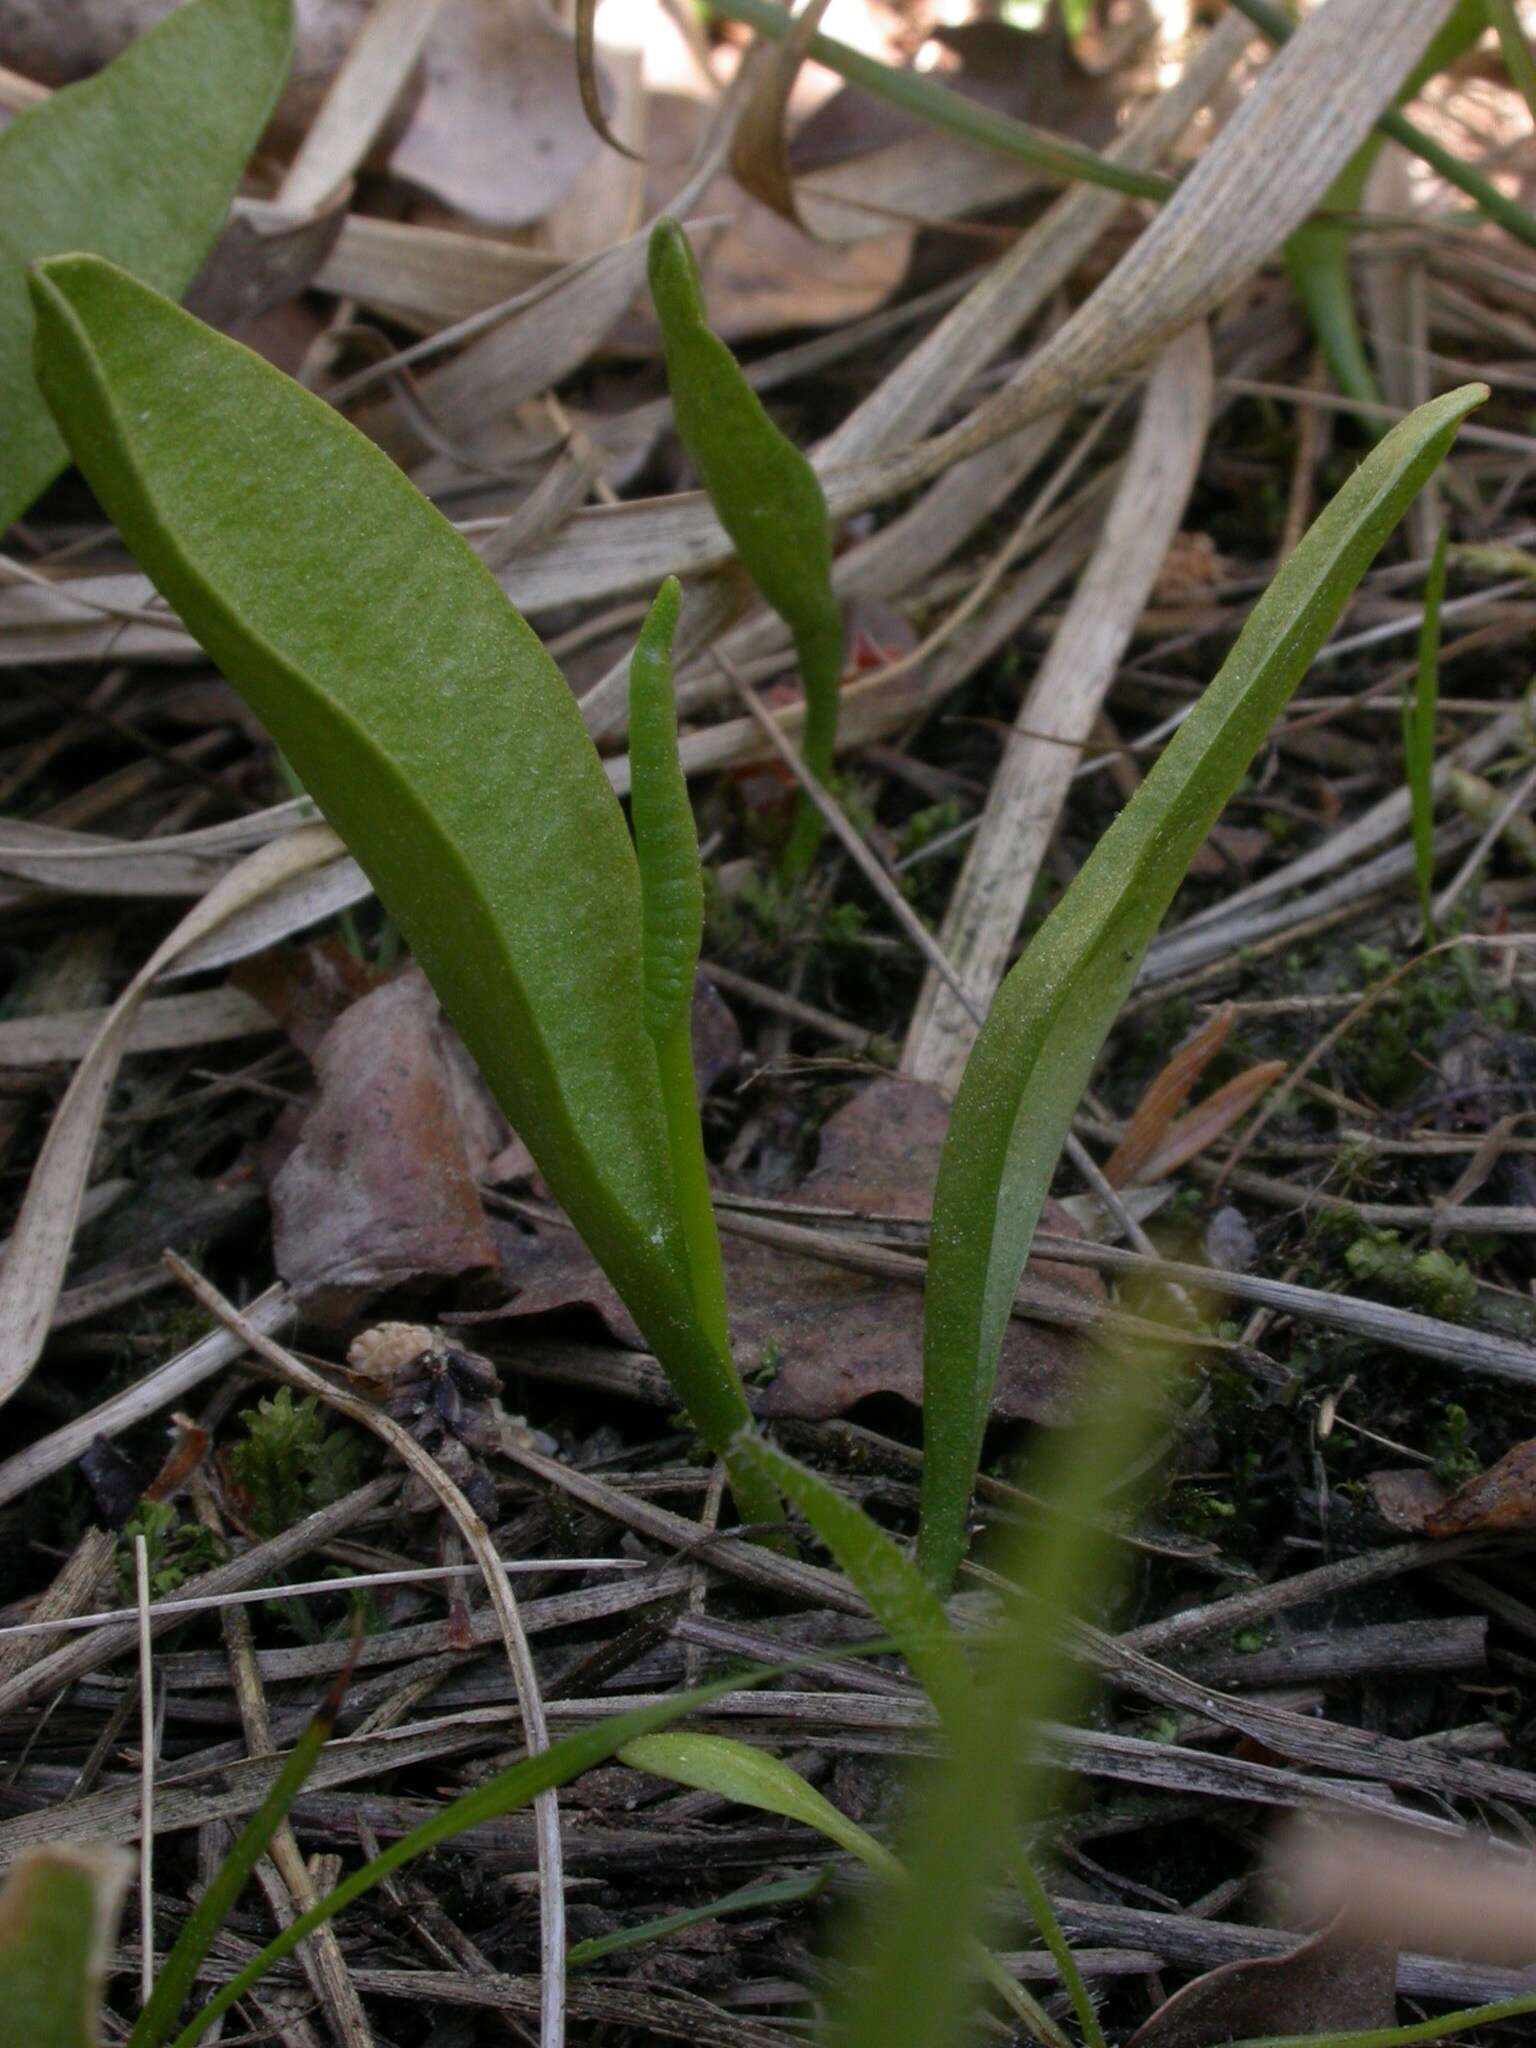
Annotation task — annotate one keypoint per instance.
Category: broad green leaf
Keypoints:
(432, 729)
(214, 1905)
(754, 1777)
(58, 1921)
(138, 163)
(1034, 1054)
(900, 1598)
(916, 1948)
(766, 494)
(672, 932)
(505, 1793)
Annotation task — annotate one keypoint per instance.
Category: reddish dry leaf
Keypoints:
(306, 988)
(1405, 1500)
(1164, 1098)
(1208, 1120)
(1502, 1498)
(824, 1337)
(381, 1191)
(1332, 1982)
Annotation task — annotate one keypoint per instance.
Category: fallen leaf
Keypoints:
(1165, 1096)
(306, 988)
(814, 1338)
(1406, 1499)
(498, 133)
(761, 274)
(1189, 1135)
(381, 1190)
(1331, 1982)
(1503, 1497)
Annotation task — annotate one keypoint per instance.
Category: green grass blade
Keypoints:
(433, 730)
(900, 1598)
(138, 163)
(754, 1777)
(58, 1921)
(751, 1898)
(672, 932)
(1317, 255)
(1037, 1048)
(216, 1902)
(519, 1786)
(767, 497)
(1480, 190)
(1516, 46)
(1419, 737)
(935, 104)
(1410, 2036)
(915, 1952)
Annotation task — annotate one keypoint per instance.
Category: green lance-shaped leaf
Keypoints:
(58, 1921)
(753, 1777)
(138, 163)
(1317, 255)
(969, 1810)
(898, 1595)
(433, 730)
(1034, 1054)
(766, 495)
(672, 928)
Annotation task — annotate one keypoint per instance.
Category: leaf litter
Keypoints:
(1391, 1174)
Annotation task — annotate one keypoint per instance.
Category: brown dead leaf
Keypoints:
(306, 988)
(823, 1336)
(759, 145)
(1332, 1982)
(761, 274)
(381, 1190)
(1165, 1097)
(1189, 1135)
(1502, 1498)
(1406, 1499)
(499, 133)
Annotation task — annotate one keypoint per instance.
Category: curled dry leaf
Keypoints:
(759, 145)
(381, 1190)
(1333, 1982)
(1188, 1136)
(498, 133)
